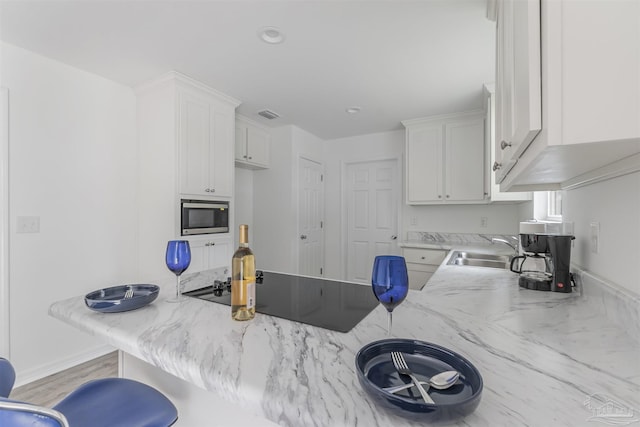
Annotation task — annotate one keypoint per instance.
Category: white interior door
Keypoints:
(372, 191)
(310, 218)
(4, 223)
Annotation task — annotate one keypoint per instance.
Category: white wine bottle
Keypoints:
(243, 279)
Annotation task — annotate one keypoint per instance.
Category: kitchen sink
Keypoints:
(475, 259)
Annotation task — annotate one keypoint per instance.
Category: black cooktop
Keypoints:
(329, 304)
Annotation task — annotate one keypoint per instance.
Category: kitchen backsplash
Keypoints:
(453, 238)
(619, 305)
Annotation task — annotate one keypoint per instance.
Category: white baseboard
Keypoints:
(41, 371)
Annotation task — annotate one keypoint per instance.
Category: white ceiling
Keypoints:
(395, 59)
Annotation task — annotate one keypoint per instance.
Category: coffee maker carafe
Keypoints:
(544, 265)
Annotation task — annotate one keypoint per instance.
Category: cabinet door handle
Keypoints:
(447, 196)
(496, 166)
(439, 196)
(250, 157)
(505, 144)
(303, 236)
(210, 190)
(394, 237)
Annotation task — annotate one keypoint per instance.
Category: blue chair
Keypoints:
(7, 377)
(16, 414)
(105, 402)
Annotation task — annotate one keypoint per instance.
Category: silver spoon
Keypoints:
(440, 381)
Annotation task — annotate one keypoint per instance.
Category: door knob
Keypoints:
(505, 144)
(303, 236)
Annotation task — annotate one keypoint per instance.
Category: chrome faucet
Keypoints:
(506, 242)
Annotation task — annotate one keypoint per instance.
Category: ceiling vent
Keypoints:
(268, 114)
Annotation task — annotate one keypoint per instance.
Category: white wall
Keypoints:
(615, 205)
(72, 163)
(243, 202)
(272, 206)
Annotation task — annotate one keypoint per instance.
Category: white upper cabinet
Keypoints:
(518, 102)
(206, 129)
(567, 92)
(495, 194)
(445, 159)
(252, 144)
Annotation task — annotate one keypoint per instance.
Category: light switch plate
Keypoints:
(28, 224)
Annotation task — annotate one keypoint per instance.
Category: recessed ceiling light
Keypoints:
(271, 35)
(352, 110)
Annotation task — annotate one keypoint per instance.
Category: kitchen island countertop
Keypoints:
(547, 359)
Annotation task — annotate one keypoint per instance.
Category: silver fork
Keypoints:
(403, 369)
(129, 293)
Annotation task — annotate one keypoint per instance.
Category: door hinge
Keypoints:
(321, 271)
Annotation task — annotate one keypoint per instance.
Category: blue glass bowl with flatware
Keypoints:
(121, 298)
(377, 375)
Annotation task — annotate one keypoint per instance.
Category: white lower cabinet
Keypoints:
(421, 264)
(210, 252)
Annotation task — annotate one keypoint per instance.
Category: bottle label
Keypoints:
(251, 295)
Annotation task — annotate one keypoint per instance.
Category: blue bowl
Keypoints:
(376, 371)
(111, 300)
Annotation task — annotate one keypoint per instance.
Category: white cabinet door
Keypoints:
(195, 139)
(205, 140)
(465, 161)
(241, 142)
(495, 195)
(424, 164)
(258, 146)
(208, 253)
(221, 166)
(252, 145)
(518, 82)
(421, 264)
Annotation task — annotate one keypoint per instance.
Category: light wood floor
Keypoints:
(50, 390)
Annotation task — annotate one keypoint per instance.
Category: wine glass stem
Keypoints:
(389, 327)
(177, 287)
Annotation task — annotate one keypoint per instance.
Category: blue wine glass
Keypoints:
(390, 282)
(178, 258)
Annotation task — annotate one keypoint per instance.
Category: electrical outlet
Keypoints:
(28, 224)
(484, 221)
(595, 237)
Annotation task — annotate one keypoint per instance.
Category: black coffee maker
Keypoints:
(544, 265)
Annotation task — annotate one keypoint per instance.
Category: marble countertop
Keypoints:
(547, 359)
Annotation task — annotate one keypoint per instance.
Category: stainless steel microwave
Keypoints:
(204, 217)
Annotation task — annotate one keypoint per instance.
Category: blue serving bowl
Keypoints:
(112, 300)
(376, 371)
